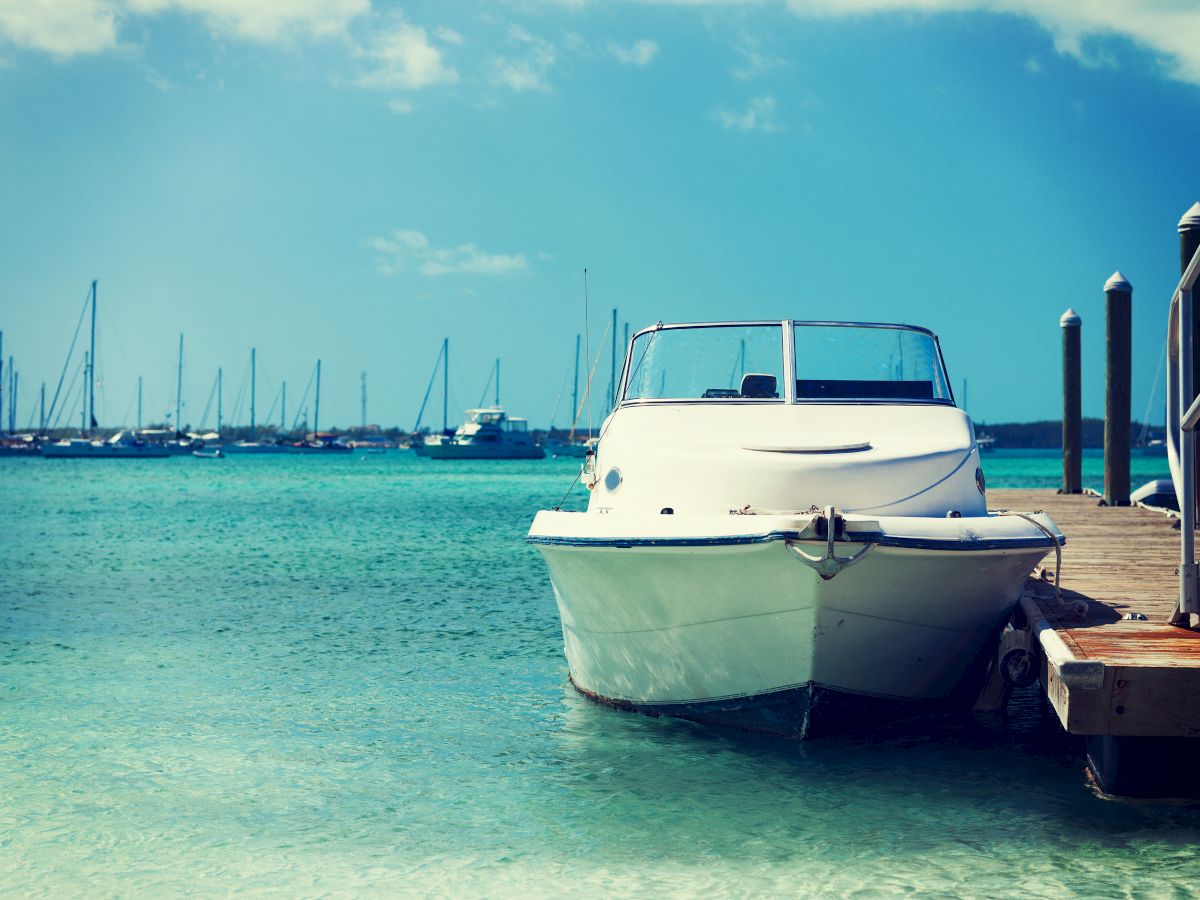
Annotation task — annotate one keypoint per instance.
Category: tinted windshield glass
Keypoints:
(854, 362)
(723, 362)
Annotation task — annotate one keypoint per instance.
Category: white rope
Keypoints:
(1029, 517)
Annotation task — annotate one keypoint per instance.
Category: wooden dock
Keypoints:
(1130, 685)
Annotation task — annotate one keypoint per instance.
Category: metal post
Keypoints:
(92, 365)
(1072, 420)
(253, 373)
(1188, 600)
(1117, 386)
(1189, 241)
(317, 403)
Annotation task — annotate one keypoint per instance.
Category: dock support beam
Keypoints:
(1072, 421)
(1118, 293)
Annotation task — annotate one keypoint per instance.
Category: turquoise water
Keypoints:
(304, 676)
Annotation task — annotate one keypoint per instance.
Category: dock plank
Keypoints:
(1118, 560)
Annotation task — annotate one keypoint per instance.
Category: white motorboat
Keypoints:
(122, 445)
(488, 433)
(787, 532)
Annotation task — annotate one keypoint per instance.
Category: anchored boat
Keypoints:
(787, 532)
(488, 433)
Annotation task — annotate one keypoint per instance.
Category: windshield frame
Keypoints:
(787, 332)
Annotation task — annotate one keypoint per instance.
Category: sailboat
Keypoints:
(122, 445)
(254, 445)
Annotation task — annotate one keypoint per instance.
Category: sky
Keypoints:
(353, 180)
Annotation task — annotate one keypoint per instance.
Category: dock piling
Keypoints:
(1118, 293)
(1072, 422)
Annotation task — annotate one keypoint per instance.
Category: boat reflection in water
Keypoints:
(787, 532)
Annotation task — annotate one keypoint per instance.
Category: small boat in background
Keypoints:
(488, 433)
(122, 445)
(209, 454)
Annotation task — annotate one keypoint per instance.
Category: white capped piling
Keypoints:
(1072, 418)
(1118, 295)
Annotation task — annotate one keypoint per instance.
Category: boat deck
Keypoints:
(1103, 674)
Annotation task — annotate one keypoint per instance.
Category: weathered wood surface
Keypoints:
(1120, 560)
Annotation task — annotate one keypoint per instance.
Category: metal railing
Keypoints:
(1183, 417)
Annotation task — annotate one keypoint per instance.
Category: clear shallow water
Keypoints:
(345, 675)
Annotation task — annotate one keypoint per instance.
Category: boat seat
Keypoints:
(862, 389)
(759, 387)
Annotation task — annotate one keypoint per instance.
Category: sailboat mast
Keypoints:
(42, 412)
(253, 362)
(83, 407)
(283, 409)
(179, 388)
(220, 390)
(139, 419)
(612, 372)
(2, 394)
(92, 364)
(445, 384)
(317, 402)
(497, 381)
(364, 401)
(575, 389)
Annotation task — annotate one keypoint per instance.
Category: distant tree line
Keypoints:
(1048, 435)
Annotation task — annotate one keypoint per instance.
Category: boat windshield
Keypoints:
(834, 362)
(712, 362)
(867, 362)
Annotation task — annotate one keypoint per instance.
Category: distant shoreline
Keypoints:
(1047, 435)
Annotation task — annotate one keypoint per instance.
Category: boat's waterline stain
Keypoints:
(345, 675)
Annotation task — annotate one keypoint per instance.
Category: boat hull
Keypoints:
(746, 635)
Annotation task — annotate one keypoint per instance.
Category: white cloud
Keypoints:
(1168, 28)
(447, 35)
(640, 54)
(263, 20)
(400, 106)
(61, 28)
(406, 249)
(755, 60)
(526, 72)
(402, 57)
(758, 116)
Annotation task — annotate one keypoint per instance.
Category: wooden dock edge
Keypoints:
(1141, 723)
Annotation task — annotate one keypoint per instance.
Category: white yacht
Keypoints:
(122, 445)
(488, 433)
(787, 532)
